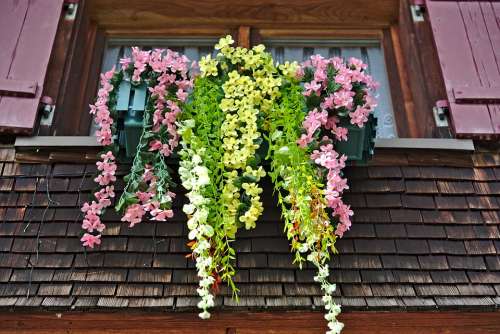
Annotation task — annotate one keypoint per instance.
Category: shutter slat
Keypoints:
(480, 44)
(17, 87)
(476, 94)
(12, 15)
(32, 55)
(457, 29)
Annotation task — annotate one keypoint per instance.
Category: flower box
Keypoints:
(360, 146)
(131, 101)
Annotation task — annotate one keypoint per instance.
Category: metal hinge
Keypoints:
(71, 8)
(417, 10)
(440, 112)
(47, 110)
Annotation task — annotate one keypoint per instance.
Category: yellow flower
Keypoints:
(208, 66)
(224, 42)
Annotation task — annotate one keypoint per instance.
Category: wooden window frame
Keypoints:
(97, 20)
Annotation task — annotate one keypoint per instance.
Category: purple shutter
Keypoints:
(467, 37)
(27, 32)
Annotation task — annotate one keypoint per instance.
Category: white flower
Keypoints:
(196, 159)
(188, 209)
(335, 327)
(204, 315)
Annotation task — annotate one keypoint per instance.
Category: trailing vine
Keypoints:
(147, 188)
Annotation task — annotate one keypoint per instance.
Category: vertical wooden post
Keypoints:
(413, 130)
(244, 36)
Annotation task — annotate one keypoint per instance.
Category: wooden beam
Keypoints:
(320, 33)
(139, 14)
(409, 107)
(244, 36)
(249, 323)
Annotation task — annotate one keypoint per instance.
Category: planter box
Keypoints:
(360, 146)
(130, 105)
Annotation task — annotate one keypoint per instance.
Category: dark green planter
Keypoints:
(360, 145)
(130, 105)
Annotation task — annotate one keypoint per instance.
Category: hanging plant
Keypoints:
(221, 136)
(149, 181)
(240, 98)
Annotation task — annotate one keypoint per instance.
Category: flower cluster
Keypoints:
(194, 177)
(147, 188)
(100, 110)
(107, 166)
(166, 74)
(249, 91)
(334, 89)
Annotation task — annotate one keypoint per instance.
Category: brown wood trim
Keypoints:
(138, 14)
(320, 33)
(177, 31)
(244, 36)
(404, 110)
(251, 323)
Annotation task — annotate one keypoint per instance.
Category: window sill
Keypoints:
(396, 143)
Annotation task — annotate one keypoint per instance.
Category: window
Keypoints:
(102, 35)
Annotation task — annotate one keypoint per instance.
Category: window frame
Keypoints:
(93, 27)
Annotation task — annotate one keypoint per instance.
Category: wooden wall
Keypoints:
(250, 323)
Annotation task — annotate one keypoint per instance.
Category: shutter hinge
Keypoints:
(441, 111)
(70, 7)
(47, 108)
(417, 8)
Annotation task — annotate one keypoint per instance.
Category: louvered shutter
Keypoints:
(467, 38)
(27, 32)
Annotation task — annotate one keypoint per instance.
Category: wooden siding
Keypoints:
(251, 323)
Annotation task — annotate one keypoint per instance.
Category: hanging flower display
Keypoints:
(221, 136)
(241, 109)
(147, 188)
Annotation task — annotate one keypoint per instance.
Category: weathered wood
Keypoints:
(404, 108)
(476, 94)
(244, 36)
(422, 72)
(257, 13)
(323, 33)
(467, 56)
(17, 87)
(265, 322)
(30, 59)
(81, 78)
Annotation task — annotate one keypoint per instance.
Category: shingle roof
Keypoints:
(425, 236)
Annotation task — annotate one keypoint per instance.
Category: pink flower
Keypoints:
(343, 98)
(90, 240)
(181, 95)
(125, 62)
(133, 215)
(311, 87)
(161, 215)
(341, 133)
(359, 116)
(155, 145)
